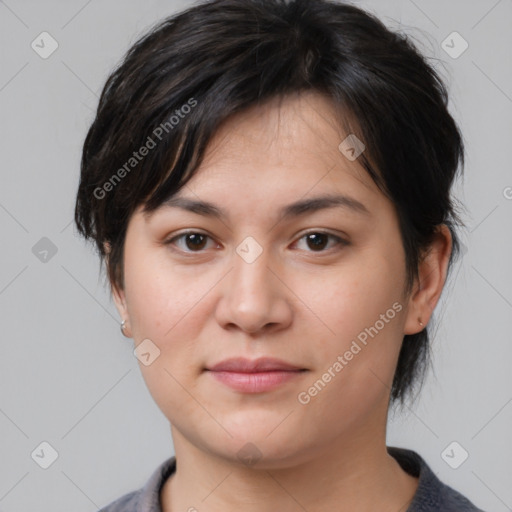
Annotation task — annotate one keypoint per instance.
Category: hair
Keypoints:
(192, 70)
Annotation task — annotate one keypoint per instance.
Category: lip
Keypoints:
(254, 376)
(263, 364)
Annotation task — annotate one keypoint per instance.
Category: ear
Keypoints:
(118, 294)
(432, 271)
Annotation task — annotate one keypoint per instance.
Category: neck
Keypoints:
(358, 475)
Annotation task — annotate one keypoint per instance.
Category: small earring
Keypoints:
(420, 322)
(123, 325)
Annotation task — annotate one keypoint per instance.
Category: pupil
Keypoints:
(194, 238)
(318, 237)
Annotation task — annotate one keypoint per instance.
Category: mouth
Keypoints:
(255, 376)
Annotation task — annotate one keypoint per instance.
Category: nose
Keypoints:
(254, 297)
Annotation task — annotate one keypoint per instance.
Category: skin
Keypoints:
(203, 303)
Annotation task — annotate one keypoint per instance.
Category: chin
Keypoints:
(262, 446)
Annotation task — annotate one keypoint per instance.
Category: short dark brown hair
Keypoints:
(194, 69)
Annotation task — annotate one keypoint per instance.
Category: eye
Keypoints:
(319, 239)
(193, 240)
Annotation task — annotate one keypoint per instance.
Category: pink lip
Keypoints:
(242, 365)
(255, 376)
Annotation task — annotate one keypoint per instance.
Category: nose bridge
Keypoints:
(253, 297)
(251, 279)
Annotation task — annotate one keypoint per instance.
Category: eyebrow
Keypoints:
(295, 209)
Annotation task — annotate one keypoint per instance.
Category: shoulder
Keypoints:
(432, 494)
(126, 503)
(147, 498)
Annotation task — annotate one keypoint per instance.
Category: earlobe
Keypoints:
(418, 314)
(432, 271)
(119, 299)
(118, 296)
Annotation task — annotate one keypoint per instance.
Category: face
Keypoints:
(319, 288)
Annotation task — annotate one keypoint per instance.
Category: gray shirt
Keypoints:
(431, 495)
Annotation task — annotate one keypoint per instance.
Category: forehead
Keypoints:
(275, 154)
(279, 122)
(285, 141)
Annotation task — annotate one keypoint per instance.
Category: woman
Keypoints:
(268, 183)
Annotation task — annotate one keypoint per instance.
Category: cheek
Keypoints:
(361, 312)
(355, 363)
(169, 305)
(165, 307)
(351, 298)
(160, 295)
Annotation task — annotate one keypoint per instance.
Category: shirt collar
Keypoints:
(149, 498)
(409, 460)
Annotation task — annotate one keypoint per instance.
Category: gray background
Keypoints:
(69, 378)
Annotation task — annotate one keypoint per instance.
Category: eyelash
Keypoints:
(339, 241)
